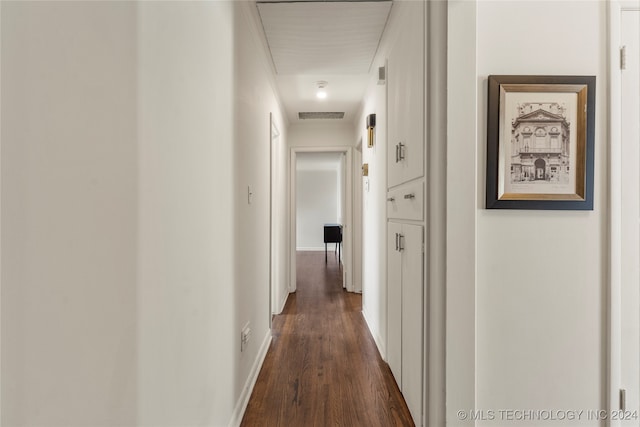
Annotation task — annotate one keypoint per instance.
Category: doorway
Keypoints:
(540, 168)
(309, 234)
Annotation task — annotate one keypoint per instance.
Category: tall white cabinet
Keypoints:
(405, 206)
(404, 354)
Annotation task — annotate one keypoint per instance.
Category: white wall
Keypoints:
(130, 133)
(318, 197)
(322, 133)
(69, 188)
(205, 102)
(254, 100)
(317, 203)
(540, 339)
(186, 283)
(374, 208)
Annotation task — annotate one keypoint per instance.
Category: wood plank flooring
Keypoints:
(323, 367)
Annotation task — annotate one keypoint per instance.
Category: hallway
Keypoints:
(323, 367)
(147, 222)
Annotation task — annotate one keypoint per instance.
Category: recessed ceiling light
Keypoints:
(321, 93)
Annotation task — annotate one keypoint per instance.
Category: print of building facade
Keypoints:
(540, 143)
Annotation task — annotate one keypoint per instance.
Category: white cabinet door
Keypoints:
(412, 91)
(412, 319)
(406, 100)
(395, 109)
(394, 301)
(405, 313)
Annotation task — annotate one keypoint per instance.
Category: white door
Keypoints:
(413, 93)
(274, 219)
(405, 106)
(630, 138)
(395, 120)
(394, 301)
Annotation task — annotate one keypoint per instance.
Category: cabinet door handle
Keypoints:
(400, 242)
(396, 241)
(397, 153)
(401, 151)
(391, 199)
(410, 196)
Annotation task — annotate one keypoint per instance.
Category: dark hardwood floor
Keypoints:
(323, 367)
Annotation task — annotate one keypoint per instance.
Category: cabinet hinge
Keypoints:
(623, 58)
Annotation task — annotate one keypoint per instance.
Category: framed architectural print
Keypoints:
(540, 142)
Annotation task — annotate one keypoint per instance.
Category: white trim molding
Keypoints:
(461, 228)
(243, 400)
(347, 241)
(376, 338)
(614, 326)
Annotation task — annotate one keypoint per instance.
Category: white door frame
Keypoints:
(615, 206)
(273, 193)
(347, 236)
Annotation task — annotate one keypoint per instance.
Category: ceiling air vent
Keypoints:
(321, 115)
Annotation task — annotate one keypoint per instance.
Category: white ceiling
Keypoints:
(328, 40)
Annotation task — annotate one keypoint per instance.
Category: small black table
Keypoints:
(332, 234)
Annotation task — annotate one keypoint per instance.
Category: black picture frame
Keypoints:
(540, 142)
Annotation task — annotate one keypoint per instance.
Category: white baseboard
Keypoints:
(320, 249)
(280, 306)
(378, 340)
(243, 401)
